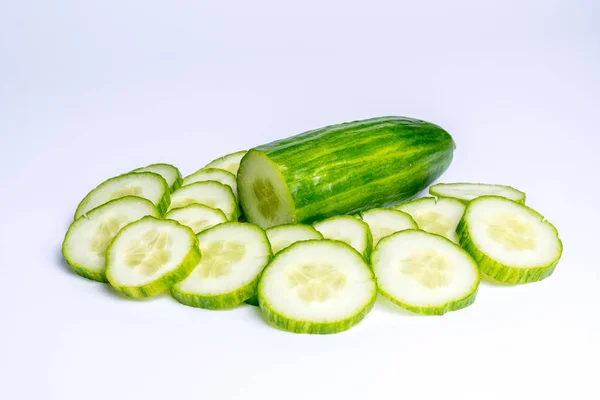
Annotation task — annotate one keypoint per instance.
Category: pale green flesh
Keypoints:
(169, 173)
(283, 236)
(466, 192)
(349, 230)
(212, 174)
(439, 216)
(230, 162)
(197, 216)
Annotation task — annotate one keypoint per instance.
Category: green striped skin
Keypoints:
(496, 270)
(347, 168)
(179, 273)
(219, 302)
(91, 275)
(161, 206)
(178, 181)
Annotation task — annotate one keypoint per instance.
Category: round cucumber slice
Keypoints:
(439, 216)
(169, 173)
(213, 174)
(317, 286)
(209, 193)
(425, 273)
(147, 185)
(283, 236)
(230, 162)
(149, 256)
(383, 222)
(233, 257)
(348, 229)
(84, 247)
(465, 192)
(511, 242)
(265, 197)
(197, 216)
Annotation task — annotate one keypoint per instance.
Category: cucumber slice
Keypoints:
(383, 222)
(84, 247)
(439, 216)
(283, 236)
(233, 257)
(317, 286)
(230, 162)
(149, 256)
(348, 229)
(466, 192)
(213, 174)
(209, 193)
(147, 185)
(169, 173)
(425, 273)
(197, 216)
(511, 242)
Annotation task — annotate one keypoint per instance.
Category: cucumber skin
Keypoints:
(178, 274)
(498, 271)
(218, 302)
(86, 273)
(347, 168)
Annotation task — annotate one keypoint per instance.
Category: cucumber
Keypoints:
(511, 242)
(465, 192)
(230, 162)
(213, 174)
(169, 173)
(383, 222)
(317, 286)
(147, 185)
(149, 256)
(283, 236)
(425, 273)
(233, 257)
(439, 216)
(84, 247)
(209, 193)
(341, 169)
(349, 230)
(197, 216)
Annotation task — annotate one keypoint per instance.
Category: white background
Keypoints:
(90, 89)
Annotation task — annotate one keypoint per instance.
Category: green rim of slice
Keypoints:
(169, 173)
(99, 196)
(229, 162)
(314, 249)
(84, 253)
(213, 174)
(209, 193)
(438, 216)
(295, 233)
(393, 221)
(364, 231)
(225, 234)
(205, 217)
(186, 261)
(472, 191)
(500, 270)
(390, 244)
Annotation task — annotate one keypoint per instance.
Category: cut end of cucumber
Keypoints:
(511, 242)
(264, 194)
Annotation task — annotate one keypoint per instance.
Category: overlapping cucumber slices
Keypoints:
(283, 236)
(425, 273)
(209, 193)
(347, 229)
(230, 162)
(383, 222)
(511, 242)
(439, 216)
(213, 174)
(466, 192)
(317, 286)
(197, 216)
(233, 257)
(169, 173)
(149, 256)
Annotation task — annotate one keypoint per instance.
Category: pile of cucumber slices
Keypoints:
(150, 231)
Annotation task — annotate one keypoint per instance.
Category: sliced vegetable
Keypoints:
(383, 222)
(169, 173)
(341, 169)
(147, 185)
(349, 230)
(197, 216)
(439, 216)
(233, 257)
(425, 273)
(213, 174)
(209, 193)
(149, 256)
(511, 242)
(283, 236)
(466, 192)
(230, 162)
(317, 286)
(84, 247)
